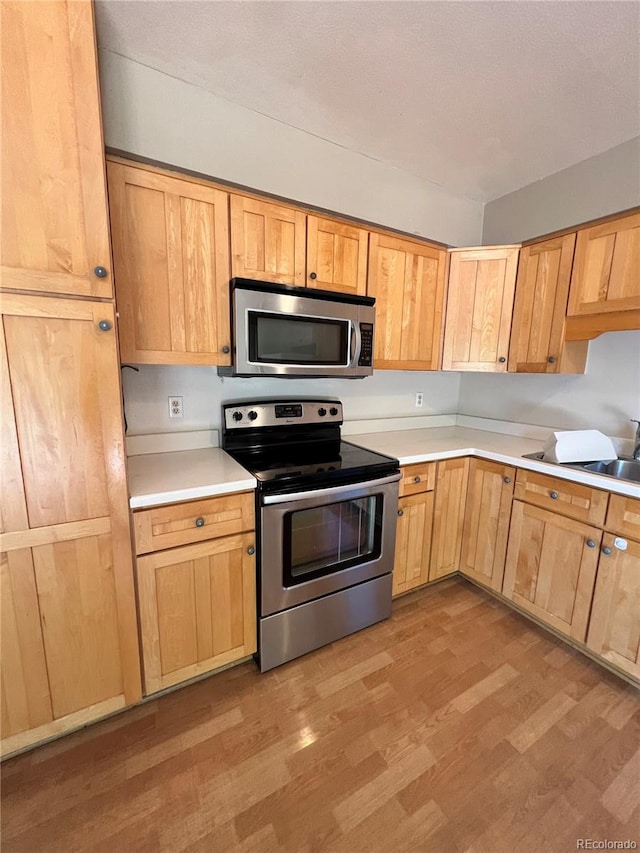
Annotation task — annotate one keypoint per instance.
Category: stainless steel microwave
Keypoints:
(279, 330)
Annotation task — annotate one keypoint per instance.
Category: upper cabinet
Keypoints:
(538, 328)
(336, 255)
(267, 241)
(171, 262)
(479, 307)
(407, 280)
(55, 234)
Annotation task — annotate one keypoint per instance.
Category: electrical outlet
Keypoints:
(175, 407)
(419, 399)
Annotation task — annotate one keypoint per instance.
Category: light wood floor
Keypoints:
(455, 726)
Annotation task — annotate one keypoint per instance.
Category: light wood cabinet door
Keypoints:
(197, 608)
(448, 516)
(605, 268)
(171, 263)
(268, 241)
(65, 527)
(408, 282)
(538, 329)
(413, 542)
(336, 255)
(55, 230)
(623, 516)
(551, 568)
(479, 308)
(486, 522)
(614, 627)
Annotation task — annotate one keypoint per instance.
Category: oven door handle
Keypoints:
(331, 492)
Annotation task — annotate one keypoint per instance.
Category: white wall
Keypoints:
(159, 117)
(603, 184)
(386, 394)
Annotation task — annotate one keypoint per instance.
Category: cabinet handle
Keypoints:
(100, 272)
(606, 551)
(552, 359)
(226, 350)
(502, 359)
(507, 480)
(416, 479)
(251, 550)
(400, 512)
(313, 276)
(105, 325)
(553, 496)
(200, 522)
(591, 543)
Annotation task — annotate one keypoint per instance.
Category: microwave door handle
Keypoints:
(356, 344)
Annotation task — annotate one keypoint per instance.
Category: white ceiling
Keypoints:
(479, 97)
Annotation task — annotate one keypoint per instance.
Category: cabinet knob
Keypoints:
(251, 550)
(591, 543)
(100, 272)
(606, 551)
(507, 479)
(313, 276)
(105, 325)
(553, 496)
(199, 522)
(226, 349)
(416, 479)
(502, 359)
(552, 359)
(400, 512)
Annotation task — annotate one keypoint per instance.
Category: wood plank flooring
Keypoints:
(456, 725)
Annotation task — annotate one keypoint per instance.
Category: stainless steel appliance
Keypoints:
(326, 515)
(296, 331)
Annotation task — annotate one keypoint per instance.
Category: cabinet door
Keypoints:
(171, 262)
(336, 255)
(413, 542)
(542, 290)
(448, 516)
(61, 408)
(55, 230)
(267, 241)
(486, 522)
(479, 308)
(408, 282)
(551, 568)
(197, 608)
(614, 627)
(605, 268)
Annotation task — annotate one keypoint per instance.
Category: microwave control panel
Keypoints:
(366, 347)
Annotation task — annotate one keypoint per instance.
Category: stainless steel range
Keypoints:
(326, 513)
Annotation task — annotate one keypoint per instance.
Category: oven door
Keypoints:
(317, 542)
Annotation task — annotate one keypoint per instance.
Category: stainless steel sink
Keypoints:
(620, 469)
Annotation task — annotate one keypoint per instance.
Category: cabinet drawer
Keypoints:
(572, 499)
(418, 478)
(192, 521)
(624, 516)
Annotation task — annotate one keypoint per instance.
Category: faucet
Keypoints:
(636, 447)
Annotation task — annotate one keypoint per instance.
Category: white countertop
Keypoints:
(161, 478)
(183, 475)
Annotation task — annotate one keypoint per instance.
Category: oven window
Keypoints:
(327, 539)
(283, 339)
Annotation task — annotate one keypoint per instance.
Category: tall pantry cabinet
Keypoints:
(69, 635)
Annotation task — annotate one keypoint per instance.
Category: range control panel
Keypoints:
(282, 412)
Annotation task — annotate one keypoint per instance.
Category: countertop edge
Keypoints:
(192, 493)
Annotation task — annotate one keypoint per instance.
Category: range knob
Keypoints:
(333, 411)
(252, 415)
(237, 416)
(322, 412)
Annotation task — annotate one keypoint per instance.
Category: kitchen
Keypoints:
(138, 125)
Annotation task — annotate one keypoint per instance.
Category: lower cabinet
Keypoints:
(448, 516)
(551, 566)
(486, 522)
(413, 542)
(197, 608)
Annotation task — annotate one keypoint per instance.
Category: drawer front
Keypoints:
(562, 496)
(192, 521)
(624, 516)
(418, 478)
